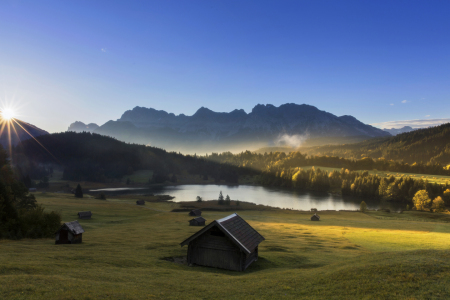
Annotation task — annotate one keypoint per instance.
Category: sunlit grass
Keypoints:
(344, 256)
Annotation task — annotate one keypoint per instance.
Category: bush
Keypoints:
(36, 223)
(199, 199)
(101, 197)
(363, 206)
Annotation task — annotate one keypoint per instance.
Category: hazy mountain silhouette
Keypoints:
(207, 131)
(395, 131)
(19, 131)
(81, 127)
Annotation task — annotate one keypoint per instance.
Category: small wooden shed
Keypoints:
(69, 233)
(229, 243)
(85, 215)
(199, 221)
(195, 213)
(140, 202)
(315, 217)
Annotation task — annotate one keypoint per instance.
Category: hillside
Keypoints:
(423, 145)
(93, 157)
(209, 131)
(15, 130)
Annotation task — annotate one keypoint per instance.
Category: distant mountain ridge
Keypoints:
(395, 131)
(207, 131)
(78, 126)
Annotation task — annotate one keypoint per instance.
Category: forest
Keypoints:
(93, 157)
(430, 145)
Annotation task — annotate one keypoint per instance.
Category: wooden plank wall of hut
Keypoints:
(215, 251)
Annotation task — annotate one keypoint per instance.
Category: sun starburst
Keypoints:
(8, 114)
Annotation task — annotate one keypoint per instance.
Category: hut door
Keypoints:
(63, 235)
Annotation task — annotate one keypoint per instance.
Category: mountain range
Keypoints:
(395, 131)
(208, 131)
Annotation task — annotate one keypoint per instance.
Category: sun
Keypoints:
(8, 114)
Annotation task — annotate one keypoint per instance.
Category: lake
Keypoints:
(275, 197)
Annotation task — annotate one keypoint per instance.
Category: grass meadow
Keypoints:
(346, 255)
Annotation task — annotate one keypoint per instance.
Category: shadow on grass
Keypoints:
(262, 264)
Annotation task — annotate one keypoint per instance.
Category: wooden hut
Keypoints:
(85, 215)
(199, 221)
(140, 202)
(315, 217)
(69, 233)
(195, 213)
(229, 243)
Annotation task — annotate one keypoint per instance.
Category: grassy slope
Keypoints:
(345, 255)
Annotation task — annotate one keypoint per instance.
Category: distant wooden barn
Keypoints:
(199, 221)
(195, 213)
(229, 243)
(140, 202)
(85, 215)
(315, 217)
(69, 233)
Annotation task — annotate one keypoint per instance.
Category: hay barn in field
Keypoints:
(85, 215)
(69, 233)
(229, 243)
(315, 217)
(195, 213)
(140, 202)
(199, 221)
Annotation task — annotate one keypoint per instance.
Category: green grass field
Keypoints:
(347, 255)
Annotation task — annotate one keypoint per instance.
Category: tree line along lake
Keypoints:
(274, 197)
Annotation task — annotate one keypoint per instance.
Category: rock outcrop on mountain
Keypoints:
(81, 127)
(14, 131)
(207, 131)
(395, 131)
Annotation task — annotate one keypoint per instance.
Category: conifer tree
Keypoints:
(221, 200)
(227, 200)
(78, 192)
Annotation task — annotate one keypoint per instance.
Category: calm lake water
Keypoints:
(282, 198)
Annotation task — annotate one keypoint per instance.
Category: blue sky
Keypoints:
(380, 61)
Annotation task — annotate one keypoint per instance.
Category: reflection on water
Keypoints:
(283, 198)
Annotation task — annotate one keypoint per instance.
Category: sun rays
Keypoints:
(10, 126)
(8, 114)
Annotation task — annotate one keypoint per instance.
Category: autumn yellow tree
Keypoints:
(446, 197)
(438, 205)
(421, 200)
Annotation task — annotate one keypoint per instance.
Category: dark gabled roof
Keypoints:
(73, 227)
(84, 214)
(236, 229)
(199, 219)
(195, 212)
